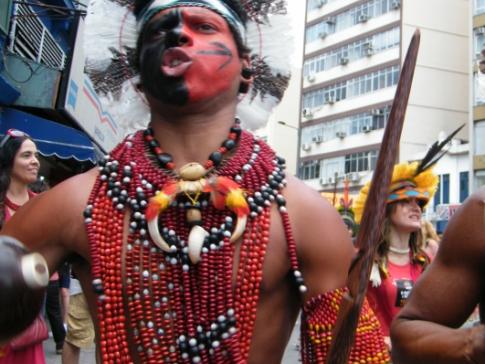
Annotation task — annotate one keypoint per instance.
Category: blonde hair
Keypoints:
(428, 232)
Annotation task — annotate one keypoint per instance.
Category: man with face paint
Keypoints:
(191, 243)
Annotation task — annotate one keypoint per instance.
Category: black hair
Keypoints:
(7, 157)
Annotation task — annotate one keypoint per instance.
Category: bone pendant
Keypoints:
(192, 172)
(196, 241)
(156, 236)
(239, 229)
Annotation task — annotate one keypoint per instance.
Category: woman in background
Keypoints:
(400, 257)
(430, 239)
(19, 167)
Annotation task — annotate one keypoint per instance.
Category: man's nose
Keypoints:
(177, 37)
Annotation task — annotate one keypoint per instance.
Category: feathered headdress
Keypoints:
(345, 209)
(110, 43)
(414, 179)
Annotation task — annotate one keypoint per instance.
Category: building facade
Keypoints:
(354, 50)
(477, 130)
(43, 89)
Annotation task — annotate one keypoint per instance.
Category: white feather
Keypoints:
(110, 25)
(375, 276)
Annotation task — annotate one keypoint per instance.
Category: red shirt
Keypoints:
(387, 299)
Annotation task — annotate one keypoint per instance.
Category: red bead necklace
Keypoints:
(167, 308)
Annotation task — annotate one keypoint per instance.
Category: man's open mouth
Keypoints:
(175, 62)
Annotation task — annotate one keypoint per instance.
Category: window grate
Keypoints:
(31, 39)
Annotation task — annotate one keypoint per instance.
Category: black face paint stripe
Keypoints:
(168, 23)
(222, 51)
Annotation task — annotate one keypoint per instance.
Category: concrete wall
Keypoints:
(284, 138)
(440, 94)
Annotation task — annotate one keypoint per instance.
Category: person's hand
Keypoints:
(476, 345)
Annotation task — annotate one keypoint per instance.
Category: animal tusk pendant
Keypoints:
(239, 229)
(156, 236)
(196, 239)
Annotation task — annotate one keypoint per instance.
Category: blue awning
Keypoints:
(51, 138)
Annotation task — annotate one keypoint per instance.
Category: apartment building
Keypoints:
(477, 131)
(353, 53)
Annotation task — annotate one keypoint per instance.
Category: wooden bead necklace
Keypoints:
(158, 302)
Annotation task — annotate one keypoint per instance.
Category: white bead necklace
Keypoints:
(399, 251)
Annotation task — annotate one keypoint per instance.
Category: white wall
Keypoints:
(440, 94)
(284, 138)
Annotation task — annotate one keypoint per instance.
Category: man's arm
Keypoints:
(427, 330)
(325, 252)
(324, 247)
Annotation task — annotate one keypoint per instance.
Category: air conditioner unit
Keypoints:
(368, 49)
(307, 113)
(480, 30)
(343, 61)
(330, 20)
(331, 180)
(322, 34)
(317, 139)
(323, 181)
(306, 147)
(311, 77)
(330, 99)
(366, 128)
(396, 4)
(376, 112)
(362, 18)
(341, 134)
(354, 177)
(321, 3)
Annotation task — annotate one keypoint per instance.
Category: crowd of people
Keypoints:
(185, 258)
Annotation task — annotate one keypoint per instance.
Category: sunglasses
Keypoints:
(12, 133)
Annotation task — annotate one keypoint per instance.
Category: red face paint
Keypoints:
(199, 49)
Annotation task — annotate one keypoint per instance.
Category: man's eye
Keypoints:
(206, 27)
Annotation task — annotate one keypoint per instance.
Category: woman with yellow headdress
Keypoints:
(400, 259)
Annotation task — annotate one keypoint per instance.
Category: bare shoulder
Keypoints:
(464, 238)
(324, 246)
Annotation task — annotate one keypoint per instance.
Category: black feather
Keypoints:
(435, 152)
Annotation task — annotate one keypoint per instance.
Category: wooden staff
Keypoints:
(373, 217)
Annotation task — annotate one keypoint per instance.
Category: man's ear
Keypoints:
(246, 75)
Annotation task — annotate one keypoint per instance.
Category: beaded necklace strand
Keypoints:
(157, 302)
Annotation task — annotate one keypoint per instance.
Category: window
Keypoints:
(352, 51)
(5, 12)
(310, 170)
(463, 186)
(479, 89)
(354, 87)
(347, 18)
(363, 122)
(361, 162)
(479, 179)
(478, 40)
(442, 195)
(317, 4)
(479, 6)
(32, 40)
(479, 137)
